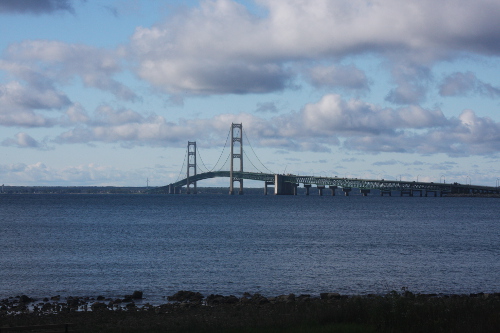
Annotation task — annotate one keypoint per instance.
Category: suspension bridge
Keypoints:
(287, 184)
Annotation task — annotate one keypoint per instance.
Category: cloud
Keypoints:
(18, 105)
(463, 84)
(22, 140)
(347, 77)
(45, 63)
(332, 121)
(389, 162)
(267, 107)
(35, 6)
(412, 83)
(463, 136)
(221, 47)
(332, 115)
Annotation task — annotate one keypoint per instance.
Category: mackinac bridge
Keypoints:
(193, 172)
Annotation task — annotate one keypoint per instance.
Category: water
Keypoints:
(111, 245)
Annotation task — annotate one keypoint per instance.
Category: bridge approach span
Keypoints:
(287, 184)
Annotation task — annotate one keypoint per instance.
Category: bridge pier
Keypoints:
(413, 191)
(346, 191)
(320, 189)
(403, 192)
(265, 186)
(283, 188)
(307, 187)
(333, 188)
(174, 189)
(365, 192)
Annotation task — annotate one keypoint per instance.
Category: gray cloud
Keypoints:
(35, 6)
(22, 140)
(463, 84)
(43, 63)
(412, 83)
(346, 77)
(220, 47)
(267, 107)
(19, 105)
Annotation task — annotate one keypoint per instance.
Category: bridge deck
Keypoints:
(380, 184)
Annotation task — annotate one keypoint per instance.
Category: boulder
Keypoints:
(98, 306)
(185, 296)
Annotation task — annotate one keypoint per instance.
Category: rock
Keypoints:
(25, 299)
(73, 302)
(328, 296)
(185, 296)
(98, 306)
(219, 299)
(137, 295)
(259, 299)
(286, 298)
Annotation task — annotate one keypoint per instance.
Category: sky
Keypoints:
(109, 92)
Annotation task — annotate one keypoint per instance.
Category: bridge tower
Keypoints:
(236, 136)
(191, 163)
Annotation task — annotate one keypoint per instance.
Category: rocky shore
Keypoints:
(188, 311)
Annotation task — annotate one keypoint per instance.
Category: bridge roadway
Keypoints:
(287, 184)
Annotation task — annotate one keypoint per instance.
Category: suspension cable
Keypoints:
(225, 161)
(199, 155)
(223, 149)
(182, 168)
(246, 137)
(249, 160)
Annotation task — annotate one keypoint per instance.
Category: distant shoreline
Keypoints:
(145, 190)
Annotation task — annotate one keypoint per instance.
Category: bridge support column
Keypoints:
(265, 186)
(413, 191)
(174, 189)
(333, 188)
(281, 187)
(236, 136)
(320, 189)
(295, 189)
(365, 192)
(191, 165)
(307, 187)
(346, 191)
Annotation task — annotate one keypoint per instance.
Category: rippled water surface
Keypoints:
(111, 245)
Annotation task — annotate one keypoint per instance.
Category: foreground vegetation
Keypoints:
(191, 312)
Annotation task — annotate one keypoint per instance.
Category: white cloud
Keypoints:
(332, 121)
(220, 47)
(332, 115)
(18, 105)
(46, 62)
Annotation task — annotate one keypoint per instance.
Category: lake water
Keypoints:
(111, 245)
